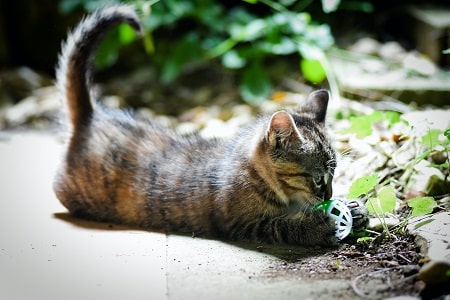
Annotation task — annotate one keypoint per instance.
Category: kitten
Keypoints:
(259, 186)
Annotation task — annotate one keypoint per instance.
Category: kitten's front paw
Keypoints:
(322, 229)
(360, 215)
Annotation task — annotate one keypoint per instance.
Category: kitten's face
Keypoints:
(305, 177)
(299, 153)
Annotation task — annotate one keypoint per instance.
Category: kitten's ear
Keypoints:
(316, 105)
(282, 129)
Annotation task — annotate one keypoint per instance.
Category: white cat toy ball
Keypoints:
(339, 211)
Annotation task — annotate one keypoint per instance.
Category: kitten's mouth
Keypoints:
(315, 202)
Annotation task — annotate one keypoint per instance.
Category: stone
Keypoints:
(433, 236)
(366, 45)
(419, 64)
(427, 179)
(392, 51)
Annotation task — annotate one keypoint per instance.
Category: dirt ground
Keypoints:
(386, 270)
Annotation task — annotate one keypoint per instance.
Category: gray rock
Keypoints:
(433, 235)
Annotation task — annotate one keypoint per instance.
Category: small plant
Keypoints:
(380, 200)
(432, 151)
(437, 142)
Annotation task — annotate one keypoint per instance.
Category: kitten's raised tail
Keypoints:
(73, 71)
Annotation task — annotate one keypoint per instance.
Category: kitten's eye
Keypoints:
(319, 181)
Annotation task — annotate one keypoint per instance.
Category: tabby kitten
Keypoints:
(259, 186)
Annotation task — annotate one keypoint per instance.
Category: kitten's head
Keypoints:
(298, 153)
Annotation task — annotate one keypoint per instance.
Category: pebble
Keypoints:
(187, 128)
(426, 179)
(417, 63)
(19, 83)
(393, 51)
(216, 128)
(42, 102)
(366, 45)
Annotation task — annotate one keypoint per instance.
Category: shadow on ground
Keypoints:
(283, 252)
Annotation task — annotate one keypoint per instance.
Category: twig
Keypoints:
(404, 258)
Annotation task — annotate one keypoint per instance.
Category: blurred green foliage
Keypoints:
(242, 36)
(361, 126)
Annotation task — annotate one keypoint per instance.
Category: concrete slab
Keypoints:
(435, 231)
(201, 268)
(44, 257)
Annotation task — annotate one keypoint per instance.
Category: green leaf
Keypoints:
(67, 6)
(233, 60)
(108, 51)
(126, 34)
(386, 199)
(319, 36)
(357, 6)
(330, 5)
(362, 186)
(255, 86)
(181, 9)
(149, 45)
(248, 32)
(362, 126)
(431, 138)
(447, 134)
(365, 239)
(423, 223)
(283, 46)
(383, 203)
(422, 205)
(392, 117)
(312, 70)
(221, 48)
(287, 2)
(309, 51)
(185, 51)
(298, 23)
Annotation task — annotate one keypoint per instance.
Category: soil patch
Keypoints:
(380, 270)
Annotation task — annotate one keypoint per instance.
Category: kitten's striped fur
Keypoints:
(259, 186)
